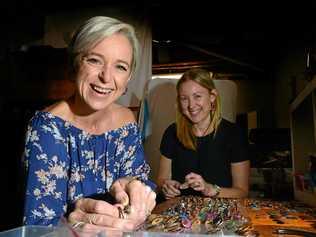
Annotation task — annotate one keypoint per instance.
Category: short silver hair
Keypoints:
(96, 29)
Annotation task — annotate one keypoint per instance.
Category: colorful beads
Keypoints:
(192, 214)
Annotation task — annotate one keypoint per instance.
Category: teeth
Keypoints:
(194, 112)
(102, 90)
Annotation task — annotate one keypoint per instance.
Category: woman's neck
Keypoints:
(203, 128)
(84, 118)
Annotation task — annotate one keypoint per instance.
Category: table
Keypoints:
(268, 215)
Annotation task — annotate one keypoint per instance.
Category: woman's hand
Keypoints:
(195, 181)
(134, 194)
(170, 188)
(90, 214)
(130, 194)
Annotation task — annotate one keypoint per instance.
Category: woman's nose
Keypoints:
(190, 103)
(104, 74)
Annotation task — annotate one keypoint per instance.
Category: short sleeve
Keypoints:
(46, 174)
(168, 141)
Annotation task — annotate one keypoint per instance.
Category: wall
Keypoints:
(257, 95)
(290, 80)
(271, 97)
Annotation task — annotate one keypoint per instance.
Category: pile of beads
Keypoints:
(193, 214)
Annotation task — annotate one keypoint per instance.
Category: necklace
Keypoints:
(205, 131)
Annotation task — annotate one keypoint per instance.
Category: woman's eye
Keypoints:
(183, 99)
(121, 67)
(95, 61)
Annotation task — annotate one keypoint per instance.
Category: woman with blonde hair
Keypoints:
(202, 153)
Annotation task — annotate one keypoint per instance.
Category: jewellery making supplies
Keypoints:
(192, 214)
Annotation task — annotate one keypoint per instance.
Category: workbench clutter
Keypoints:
(281, 214)
(307, 181)
(198, 215)
(312, 171)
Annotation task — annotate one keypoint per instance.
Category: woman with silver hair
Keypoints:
(88, 145)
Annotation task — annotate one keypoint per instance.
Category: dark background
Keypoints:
(254, 33)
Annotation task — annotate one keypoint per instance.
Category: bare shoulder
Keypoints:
(59, 109)
(123, 115)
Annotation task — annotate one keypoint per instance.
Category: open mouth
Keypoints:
(194, 113)
(101, 90)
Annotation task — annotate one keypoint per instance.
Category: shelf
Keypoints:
(302, 95)
(303, 137)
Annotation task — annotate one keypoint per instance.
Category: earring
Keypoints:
(213, 106)
(125, 91)
(213, 100)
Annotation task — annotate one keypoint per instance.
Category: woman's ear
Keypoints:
(213, 99)
(214, 94)
(214, 91)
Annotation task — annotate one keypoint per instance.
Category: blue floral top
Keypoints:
(65, 163)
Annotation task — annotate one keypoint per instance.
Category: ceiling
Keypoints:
(231, 37)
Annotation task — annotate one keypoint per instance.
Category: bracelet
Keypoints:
(212, 190)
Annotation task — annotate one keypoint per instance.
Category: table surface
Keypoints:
(268, 215)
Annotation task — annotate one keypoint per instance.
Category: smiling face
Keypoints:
(104, 72)
(195, 102)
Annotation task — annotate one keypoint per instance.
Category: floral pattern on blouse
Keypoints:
(64, 163)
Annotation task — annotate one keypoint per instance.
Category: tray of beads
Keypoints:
(199, 215)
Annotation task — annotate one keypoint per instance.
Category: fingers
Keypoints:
(136, 191)
(195, 181)
(197, 185)
(171, 188)
(89, 205)
(113, 222)
(191, 176)
(118, 191)
(90, 213)
(101, 222)
(108, 217)
(151, 202)
(141, 199)
(122, 198)
(185, 185)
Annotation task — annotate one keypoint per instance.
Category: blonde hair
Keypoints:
(184, 125)
(96, 29)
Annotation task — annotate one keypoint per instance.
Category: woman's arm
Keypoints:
(164, 171)
(240, 182)
(168, 187)
(46, 176)
(239, 166)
